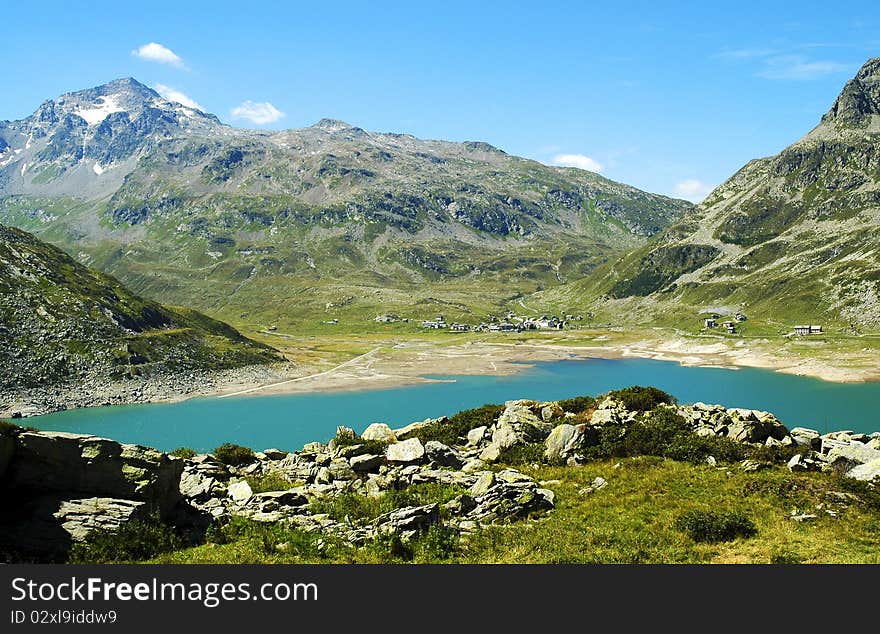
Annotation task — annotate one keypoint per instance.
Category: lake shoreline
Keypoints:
(410, 363)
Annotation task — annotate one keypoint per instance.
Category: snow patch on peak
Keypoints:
(105, 107)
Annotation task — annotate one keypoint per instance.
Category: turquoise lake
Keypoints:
(289, 421)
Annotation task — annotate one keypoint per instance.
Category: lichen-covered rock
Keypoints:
(405, 452)
(380, 432)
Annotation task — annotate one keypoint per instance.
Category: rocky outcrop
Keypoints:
(59, 487)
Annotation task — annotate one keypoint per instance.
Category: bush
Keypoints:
(268, 482)
(357, 506)
(642, 399)
(438, 543)
(523, 454)
(133, 541)
(457, 427)
(183, 452)
(655, 434)
(578, 404)
(233, 455)
(695, 449)
(8, 429)
(715, 526)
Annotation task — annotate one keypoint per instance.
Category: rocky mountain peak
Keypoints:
(860, 98)
(332, 125)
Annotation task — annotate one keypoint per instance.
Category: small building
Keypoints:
(710, 322)
(505, 327)
(438, 323)
(805, 330)
(741, 317)
(815, 330)
(456, 327)
(386, 319)
(729, 326)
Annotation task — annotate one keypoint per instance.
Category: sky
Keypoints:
(670, 97)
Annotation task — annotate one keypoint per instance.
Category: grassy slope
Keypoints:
(631, 520)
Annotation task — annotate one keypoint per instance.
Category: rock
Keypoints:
(604, 417)
(324, 476)
(550, 411)
(366, 463)
(443, 455)
(796, 463)
(750, 466)
(473, 465)
(564, 441)
(491, 453)
(854, 452)
(79, 517)
(461, 505)
(711, 461)
(374, 487)
(476, 435)
(240, 492)
(380, 432)
(599, 483)
(802, 517)
(548, 497)
(867, 472)
(806, 437)
(275, 454)
(292, 497)
(88, 466)
(197, 485)
(485, 482)
(409, 520)
(405, 452)
(341, 470)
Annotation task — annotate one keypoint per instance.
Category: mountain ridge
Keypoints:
(180, 206)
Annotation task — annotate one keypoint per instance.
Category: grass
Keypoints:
(634, 520)
(356, 506)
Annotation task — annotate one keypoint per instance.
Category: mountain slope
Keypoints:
(62, 323)
(186, 209)
(788, 237)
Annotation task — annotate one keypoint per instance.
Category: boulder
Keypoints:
(484, 482)
(275, 454)
(366, 463)
(409, 520)
(443, 455)
(854, 452)
(79, 517)
(806, 437)
(564, 441)
(405, 452)
(89, 466)
(867, 472)
(491, 453)
(380, 432)
(240, 492)
(476, 435)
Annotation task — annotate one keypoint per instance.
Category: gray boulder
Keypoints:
(405, 452)
(443, 455)
(366, 463)
(380, 432)
(867, 472)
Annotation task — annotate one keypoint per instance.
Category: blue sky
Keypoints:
(672, 99)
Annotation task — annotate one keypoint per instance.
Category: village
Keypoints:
(510, 323)
(730, 325)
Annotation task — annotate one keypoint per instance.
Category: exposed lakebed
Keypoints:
(289, 421)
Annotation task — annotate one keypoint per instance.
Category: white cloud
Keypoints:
(692, 189)
(580, 161)
(154, 52)
(171, 94)
(799, 68)
(258, 112)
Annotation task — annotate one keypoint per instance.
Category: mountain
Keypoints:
(791, 237)
(62, 324)
(276, 225)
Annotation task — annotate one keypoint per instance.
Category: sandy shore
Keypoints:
(411, 363)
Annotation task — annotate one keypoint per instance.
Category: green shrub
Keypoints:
(528, 453)
(458, 425)
(578, 404)
(233, 455)
(268, 482)
(133, 541)
(695, 449)
(655, 433)
(438, 543)
(642, 399)
(357, 506)
(183, 452)
(715, 526)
